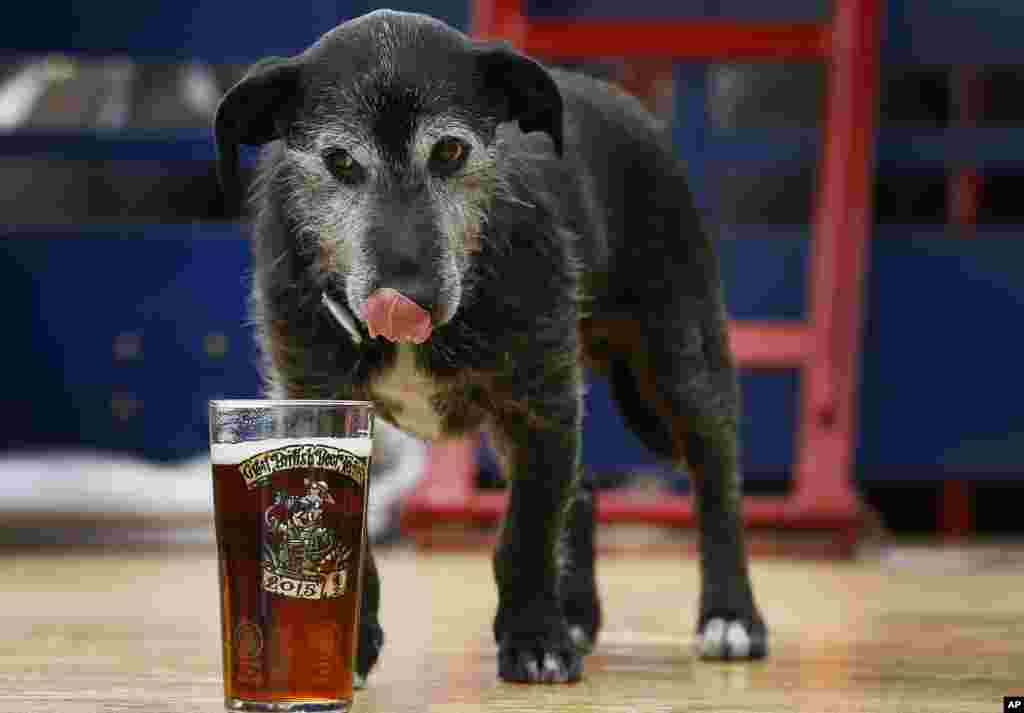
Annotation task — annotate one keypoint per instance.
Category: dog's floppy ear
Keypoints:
(252, 112)
(522, 90)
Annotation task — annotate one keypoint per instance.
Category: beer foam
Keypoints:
(232, 453)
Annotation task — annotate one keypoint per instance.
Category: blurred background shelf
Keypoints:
(127, 281)
(901, 148)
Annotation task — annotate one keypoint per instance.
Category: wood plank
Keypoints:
(937, 630)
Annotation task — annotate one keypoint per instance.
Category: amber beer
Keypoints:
(290, 518)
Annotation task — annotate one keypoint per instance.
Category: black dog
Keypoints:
(483, 227)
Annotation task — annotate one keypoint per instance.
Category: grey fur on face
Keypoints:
(337, 221)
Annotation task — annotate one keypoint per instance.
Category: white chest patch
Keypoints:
(409, 391)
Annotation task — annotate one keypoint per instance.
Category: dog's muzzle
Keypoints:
(392, 315)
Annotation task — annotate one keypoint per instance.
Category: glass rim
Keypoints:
(288, 403)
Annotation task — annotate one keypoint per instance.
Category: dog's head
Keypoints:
(388, 124)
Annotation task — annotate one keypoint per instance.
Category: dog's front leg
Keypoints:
(539, 451)
(307, 356)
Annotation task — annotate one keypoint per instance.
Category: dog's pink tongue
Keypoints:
(394, 316)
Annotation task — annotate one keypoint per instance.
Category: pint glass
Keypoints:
(290, 485)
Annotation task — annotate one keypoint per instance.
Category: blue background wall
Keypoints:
(940, 351)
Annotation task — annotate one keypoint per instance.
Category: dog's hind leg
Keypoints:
(684, 376)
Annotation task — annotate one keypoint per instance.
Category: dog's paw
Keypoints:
(534, 645)
(371, 640)
(582, 610)
(729, 638)
(529, 660)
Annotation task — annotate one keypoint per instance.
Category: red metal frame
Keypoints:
(966, 186)
(825, 348)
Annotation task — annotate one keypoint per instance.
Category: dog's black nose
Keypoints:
(409, 269)
(407, 251)
(419, 291)
(405, 274)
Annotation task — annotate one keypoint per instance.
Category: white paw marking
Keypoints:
(737, 641)
(532, 670)
(712, 644)
(721, 640)
(552, 671)
(358, 682)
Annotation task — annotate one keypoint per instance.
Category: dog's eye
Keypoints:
(448, 156)
(343, 167)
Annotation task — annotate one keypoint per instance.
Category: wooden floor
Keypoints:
(915, 630)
